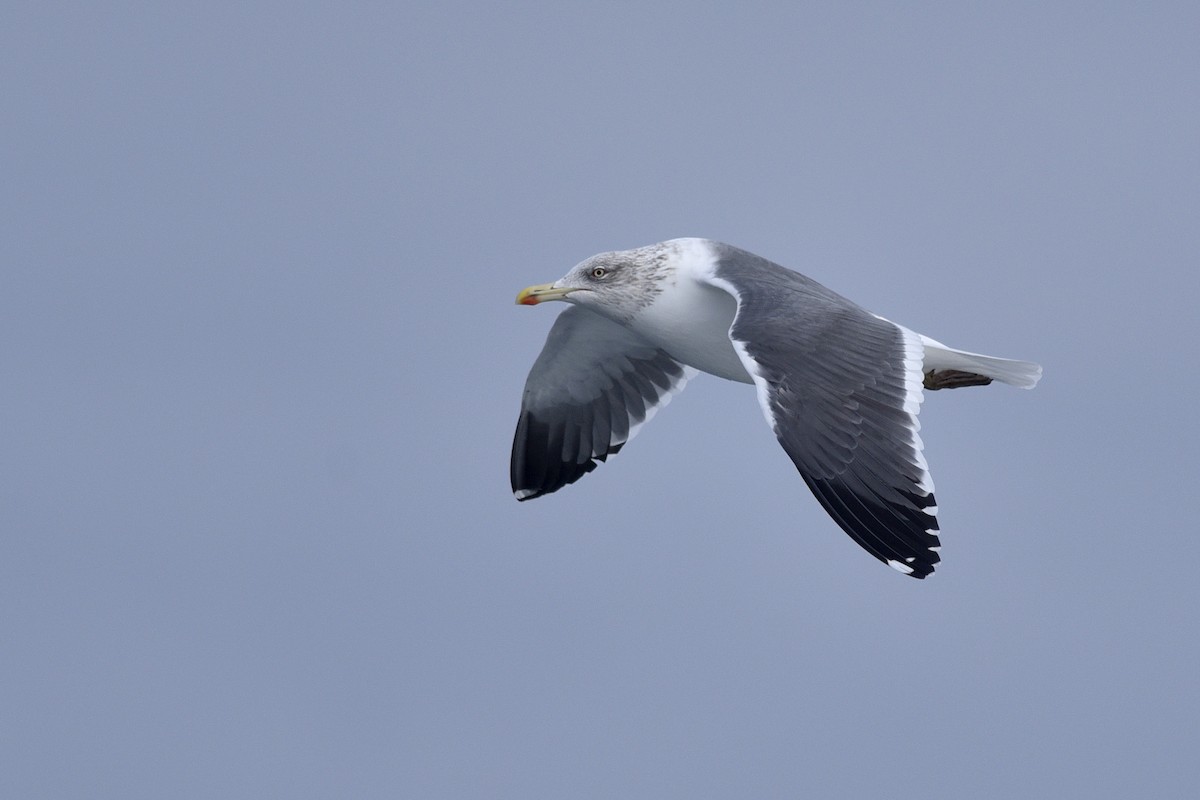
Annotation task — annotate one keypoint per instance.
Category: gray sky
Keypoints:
(261, 366)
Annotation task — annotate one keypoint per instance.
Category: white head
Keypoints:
(616, 284)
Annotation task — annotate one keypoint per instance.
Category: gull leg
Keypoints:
(953, 379)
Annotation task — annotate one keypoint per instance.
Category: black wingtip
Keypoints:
(899, 537)
(532, 471)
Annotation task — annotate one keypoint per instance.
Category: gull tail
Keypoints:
(947, 368)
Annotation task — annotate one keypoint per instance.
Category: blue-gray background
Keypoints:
(259, 368)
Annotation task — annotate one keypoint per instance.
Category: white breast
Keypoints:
(691, 320)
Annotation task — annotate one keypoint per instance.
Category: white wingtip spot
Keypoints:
(900, 566)
(521, 494)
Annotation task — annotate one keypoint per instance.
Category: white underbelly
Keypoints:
(691, 322)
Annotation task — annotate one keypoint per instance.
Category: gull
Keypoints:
(840, 387)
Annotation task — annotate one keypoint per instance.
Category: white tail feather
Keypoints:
(1024, 374)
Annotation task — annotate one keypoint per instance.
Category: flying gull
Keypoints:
(840, 387)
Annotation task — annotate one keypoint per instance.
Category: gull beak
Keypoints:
(543, 292)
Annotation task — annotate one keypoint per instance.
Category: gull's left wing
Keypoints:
(841, 389)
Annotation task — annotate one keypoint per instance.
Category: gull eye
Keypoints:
(599, 272)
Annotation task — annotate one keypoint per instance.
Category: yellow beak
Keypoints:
(543, 292)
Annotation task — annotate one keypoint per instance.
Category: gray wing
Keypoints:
(593, 386)
(841, 388)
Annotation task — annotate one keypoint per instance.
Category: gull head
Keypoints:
(616, 284)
